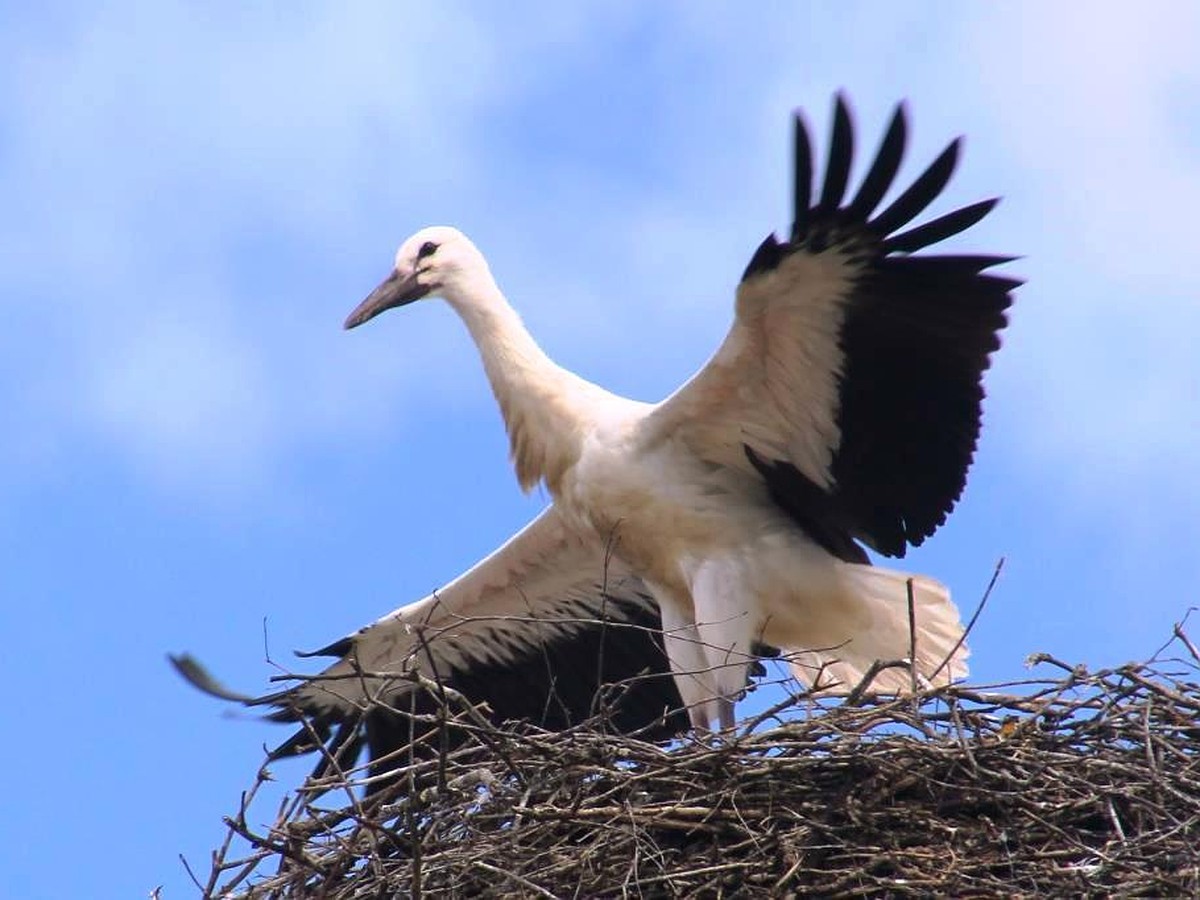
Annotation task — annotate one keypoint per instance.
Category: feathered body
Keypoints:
(841, 410)
(690, 515)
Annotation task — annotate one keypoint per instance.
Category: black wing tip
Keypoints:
(990, 261)
(812, 221)
(843, 108)
(1006, 284)
(897, 126)
(195, 674)
(802, 175)
(340, 649)
(765, 258)
(838, 161)
(883, 169)
(937, 230)
(924, 189)
(874, 508)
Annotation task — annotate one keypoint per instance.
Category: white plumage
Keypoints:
(842, 409)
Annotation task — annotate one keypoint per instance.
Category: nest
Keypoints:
(1083, 783)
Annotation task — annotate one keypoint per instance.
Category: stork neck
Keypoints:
(543, 405)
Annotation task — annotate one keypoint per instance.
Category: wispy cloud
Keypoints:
(155, 157)
(194, 201)
(1100, 115)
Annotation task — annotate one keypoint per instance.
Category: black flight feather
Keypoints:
(919, 194)
(802, 174)
(883, 170)
(841, 155)
(939, 229)
(915, 337)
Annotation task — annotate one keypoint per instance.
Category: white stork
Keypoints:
(841, 410)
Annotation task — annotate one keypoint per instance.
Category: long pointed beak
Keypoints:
(394, 291)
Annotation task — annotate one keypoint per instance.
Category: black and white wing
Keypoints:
(850, 380)
(537, 631)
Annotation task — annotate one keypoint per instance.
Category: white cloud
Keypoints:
(154, 153)
(158, 153)
(182, 393)
(1096, 110)
(161, 153)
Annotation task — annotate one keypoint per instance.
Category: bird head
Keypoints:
(435, 262)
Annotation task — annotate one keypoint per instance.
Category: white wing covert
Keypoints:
(536, 631)
(851, 377)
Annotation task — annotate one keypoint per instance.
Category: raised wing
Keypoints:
(851, 377)
(536, 631)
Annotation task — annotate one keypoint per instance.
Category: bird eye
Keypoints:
(427, 249)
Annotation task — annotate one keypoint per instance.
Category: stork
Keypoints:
(840, 413)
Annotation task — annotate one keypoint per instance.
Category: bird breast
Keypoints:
(657, 506)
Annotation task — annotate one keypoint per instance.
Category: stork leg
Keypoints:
(689, 664)
(726, 629)
(725, 714)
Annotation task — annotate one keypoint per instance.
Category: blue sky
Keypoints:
(193, 199)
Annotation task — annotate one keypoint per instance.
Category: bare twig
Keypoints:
(1083, 783)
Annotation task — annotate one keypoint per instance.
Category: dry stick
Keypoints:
(859, 691)
(1182, 635)
(443, 734)
(524, 882)
(912, 638)
(415, 838)
(539, 623)
(987, 593)
(1092, 733)
(192, 875)
(749, 726)
(610, 548)
(1156, 656)
(219, 857)
(443, 692)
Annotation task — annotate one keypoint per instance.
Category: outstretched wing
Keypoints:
(536, 631)
(851, 377)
